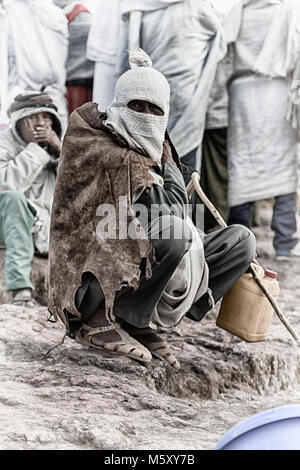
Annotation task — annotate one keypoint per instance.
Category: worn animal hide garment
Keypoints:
(94, 169)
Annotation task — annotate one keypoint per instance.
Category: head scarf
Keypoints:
(33, 102)
(144, 133)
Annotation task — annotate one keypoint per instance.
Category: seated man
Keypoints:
(29, 151)
(124, 255)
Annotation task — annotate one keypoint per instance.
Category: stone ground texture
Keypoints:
(79, 399)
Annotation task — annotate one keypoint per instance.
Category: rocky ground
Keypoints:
(78, 399)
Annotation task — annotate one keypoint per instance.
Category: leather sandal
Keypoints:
(154, 343)
(114, 339)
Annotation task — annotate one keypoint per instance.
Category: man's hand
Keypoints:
(45, 135)
(27, 130)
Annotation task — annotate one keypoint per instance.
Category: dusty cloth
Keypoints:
(262, 144)
(144, 132)
(170, 235)
(94, 169)
(30, 169)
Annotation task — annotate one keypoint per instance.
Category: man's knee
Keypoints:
(13, 199)
(247, 243)
(173, 238)
(180, 237)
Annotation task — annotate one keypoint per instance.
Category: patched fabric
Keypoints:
(94, 169)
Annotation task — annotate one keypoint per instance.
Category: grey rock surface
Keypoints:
(77, 398)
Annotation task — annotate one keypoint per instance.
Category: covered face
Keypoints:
(31, 109)
(32, 122)
(140, 109)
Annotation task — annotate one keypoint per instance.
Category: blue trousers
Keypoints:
(16, 222)
(283, 222)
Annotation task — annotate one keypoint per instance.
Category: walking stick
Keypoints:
(194, 185)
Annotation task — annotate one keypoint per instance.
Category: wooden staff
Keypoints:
(194, 185)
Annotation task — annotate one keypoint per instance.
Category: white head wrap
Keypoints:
(142, 131)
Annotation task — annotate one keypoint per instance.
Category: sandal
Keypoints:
(23, 298)
(114, 339)
(154, 343)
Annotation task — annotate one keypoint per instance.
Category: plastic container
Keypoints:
(245, 311)
(275, 429)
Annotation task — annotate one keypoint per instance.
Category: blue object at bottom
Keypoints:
(275, 429)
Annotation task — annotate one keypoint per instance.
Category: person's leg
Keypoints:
(190, 161)
(284, 224)
(241, 215)
(136, 306)
(134, 309)
(16, 221)
(214, 175)
(228, 253)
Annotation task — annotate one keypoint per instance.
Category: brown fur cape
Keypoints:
(94, 169)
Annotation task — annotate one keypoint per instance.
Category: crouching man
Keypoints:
(118, 266)
(29, 151)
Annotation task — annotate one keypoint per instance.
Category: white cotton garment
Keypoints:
(185, 42)
(143, 132)
(262, 143)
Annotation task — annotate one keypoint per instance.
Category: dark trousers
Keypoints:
(283, 221)
(228, 253)
(214, 175)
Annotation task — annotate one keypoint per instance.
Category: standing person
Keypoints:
(102, 48)
(166, 30)
(34, 47)
(80, 70)
(262, 142)
(214, 171)
(184, 40)
(214, 174)
(112, 271)
(29, 151)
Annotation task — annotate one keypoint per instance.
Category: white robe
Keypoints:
(184, 43)
(157, 26)
(35, 45)
(262, 149)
